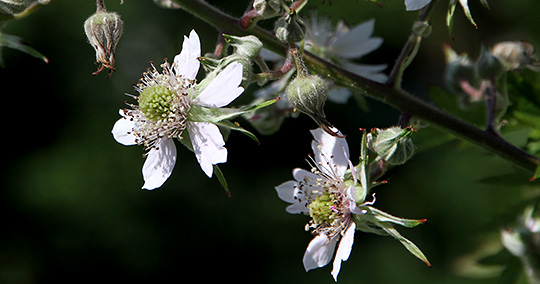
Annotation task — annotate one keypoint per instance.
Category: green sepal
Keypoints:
(15, 42)
(410, 246)
(382, 216)
(221, 179)
(450, 15)
(234, 126)
(536, 174)
(214, 115)
(362, 171)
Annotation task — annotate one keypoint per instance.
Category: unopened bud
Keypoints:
(290, 28)
(458, 69)
(308, 93)
(393, 145)
(515, 55)
(16, 7)
(103, 30)
(267, 8)
(488, 66)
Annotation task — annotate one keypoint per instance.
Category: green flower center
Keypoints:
(322, 209)
(156, 102)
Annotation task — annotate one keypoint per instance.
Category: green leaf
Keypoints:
(221, 179)
(14, 42)
(410, 246)
(214, 115)
(382, 216)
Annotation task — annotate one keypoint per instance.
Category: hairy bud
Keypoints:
(393, 144)
(16, 7)
(103, 30)
(290, 28)
(246, 46)
(515, 55)
(488, 66)
(267, 8)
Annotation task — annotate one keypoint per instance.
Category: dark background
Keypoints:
(71, 204)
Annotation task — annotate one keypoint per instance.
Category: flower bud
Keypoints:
(103, 30)
(458, 69)
(290, 28)
(16, 7)
(308, 93)
(392, 144)
(515, 55)
(267, 8)
(488, 66)
(246, 46)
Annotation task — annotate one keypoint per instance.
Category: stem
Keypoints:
(409, 50)
(397, 98)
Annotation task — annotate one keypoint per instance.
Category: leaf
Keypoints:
(221, 179)
(410, 246)
(15, 42)
(382, 216)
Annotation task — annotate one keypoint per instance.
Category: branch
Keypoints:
(397, 98)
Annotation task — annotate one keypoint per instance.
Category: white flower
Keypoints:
(167, 101)
(328, 198)
(343, 44)
(413, 5)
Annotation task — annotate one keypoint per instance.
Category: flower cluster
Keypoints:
(337, 196)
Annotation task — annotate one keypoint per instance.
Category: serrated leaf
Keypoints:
(221, 179)
(15, 42)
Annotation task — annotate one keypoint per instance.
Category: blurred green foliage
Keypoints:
(71, 199)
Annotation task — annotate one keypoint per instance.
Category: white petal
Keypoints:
(339, 95)
(331, 153)
(357, 42)
(208, 145)
(187, 63)
(286, 191)
(413, 5)
(372, 72)
(344, 249)
(223, 89)
(123, 131)
(319, 252)
(159, 164)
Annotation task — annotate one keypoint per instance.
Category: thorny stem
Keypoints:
(395, 97)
